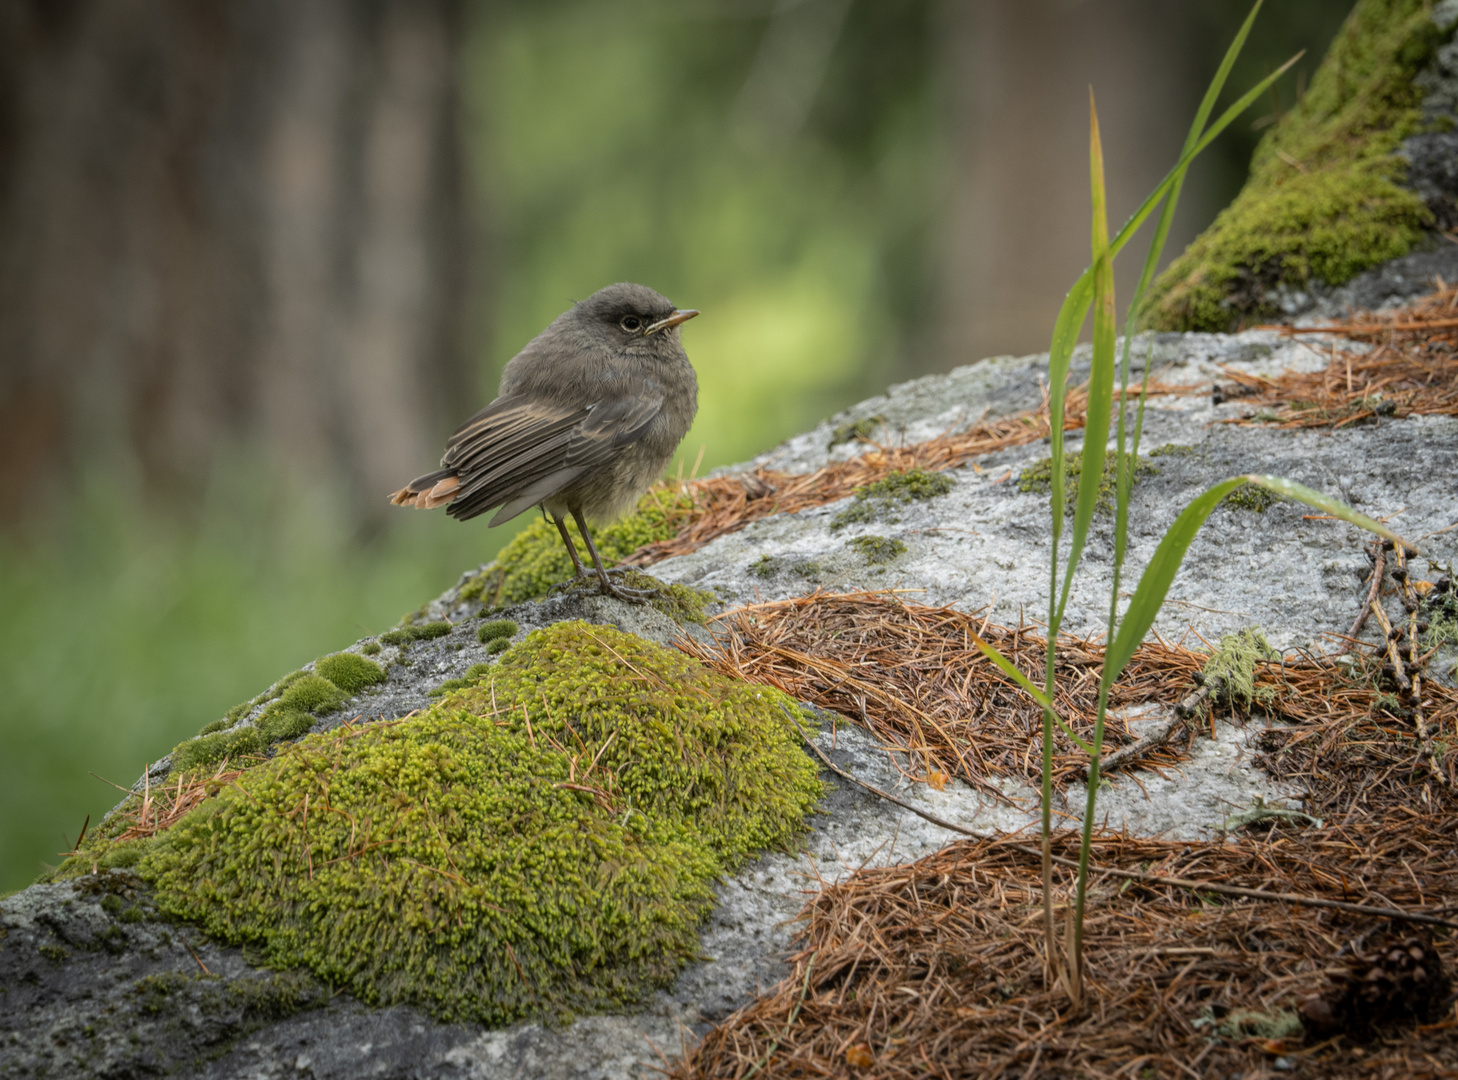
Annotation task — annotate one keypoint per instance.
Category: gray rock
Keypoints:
(93, 984)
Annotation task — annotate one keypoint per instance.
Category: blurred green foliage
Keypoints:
(778, 170)
(126, 629)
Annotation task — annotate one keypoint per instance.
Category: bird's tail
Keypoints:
(428, 491)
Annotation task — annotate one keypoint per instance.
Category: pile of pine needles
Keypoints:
(1410, 368)
(936, 968)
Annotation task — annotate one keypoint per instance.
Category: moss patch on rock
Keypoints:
(293, 704)
(539, 845)
(535, 559)
(880, 500)
(1251, 497)
(878, 550)
(1324, 199)
(1038, 478)
(855, 431)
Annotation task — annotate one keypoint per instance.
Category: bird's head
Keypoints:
(633, 315)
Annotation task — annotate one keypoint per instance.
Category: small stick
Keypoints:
(1157, 737)
(1377, 570)
(1403, 682)
(1132, 875)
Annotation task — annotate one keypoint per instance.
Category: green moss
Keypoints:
(349, 671)
(540, 846)
(878, 549)
(279, 722)
(1323, 199)
(1173, 450)
(497, 645)
(297, 699)
(495, 630)
(880, 500)
(470, 678)
(313, 694)
(1230, 671)
(1038, 478)
(237, 743)
(856, 430)
(764, 567)
(1251, 497)
(370, 648)
(535, 559)
(416, 632)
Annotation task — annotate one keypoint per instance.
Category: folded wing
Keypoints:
(517, 452)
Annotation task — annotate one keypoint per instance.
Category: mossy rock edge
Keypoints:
(1326, 197)
(537, 845)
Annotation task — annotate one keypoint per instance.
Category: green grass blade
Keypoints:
(1159, 574)
(1011, 671)
(1101, 374)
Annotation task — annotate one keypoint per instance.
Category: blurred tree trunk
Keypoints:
(224, 222)
(1019, 230)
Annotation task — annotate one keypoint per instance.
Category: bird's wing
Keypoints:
(513, 444)
(518, 451)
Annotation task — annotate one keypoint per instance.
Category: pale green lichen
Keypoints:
(1324, 199)
(1230, 671)
(880, 500)
(539, 845)
(536, 559)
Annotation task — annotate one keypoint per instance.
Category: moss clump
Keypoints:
(855, 431)
(880, 500)
(1230, 671)
(470, 678)
(416, 632)
(877, 550)
(1173, 450)
(1323, 200)
(370, 648)
(681, 603)
(296, 701)
(349, 671)
(535, 559)
(538, 847)
(1251, 497)
(1038, 478)
(496, 630)
(499, 645)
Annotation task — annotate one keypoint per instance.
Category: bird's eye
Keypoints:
(631, 323)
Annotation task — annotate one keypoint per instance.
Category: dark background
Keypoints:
(258, 257)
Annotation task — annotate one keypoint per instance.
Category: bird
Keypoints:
(586, 418)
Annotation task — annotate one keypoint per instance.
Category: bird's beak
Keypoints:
(670, 322)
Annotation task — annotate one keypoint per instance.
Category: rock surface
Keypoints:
(92, 984)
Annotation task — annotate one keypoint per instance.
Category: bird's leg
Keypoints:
(582, 571)
(622, 592)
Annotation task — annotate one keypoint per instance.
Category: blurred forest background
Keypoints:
(258, 258)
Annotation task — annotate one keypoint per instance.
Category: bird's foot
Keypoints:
(627, 593)
(584, 577)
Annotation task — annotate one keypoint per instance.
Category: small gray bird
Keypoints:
(587, 417)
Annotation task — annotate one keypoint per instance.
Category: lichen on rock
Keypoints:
(538, 844)
(1326, 197)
